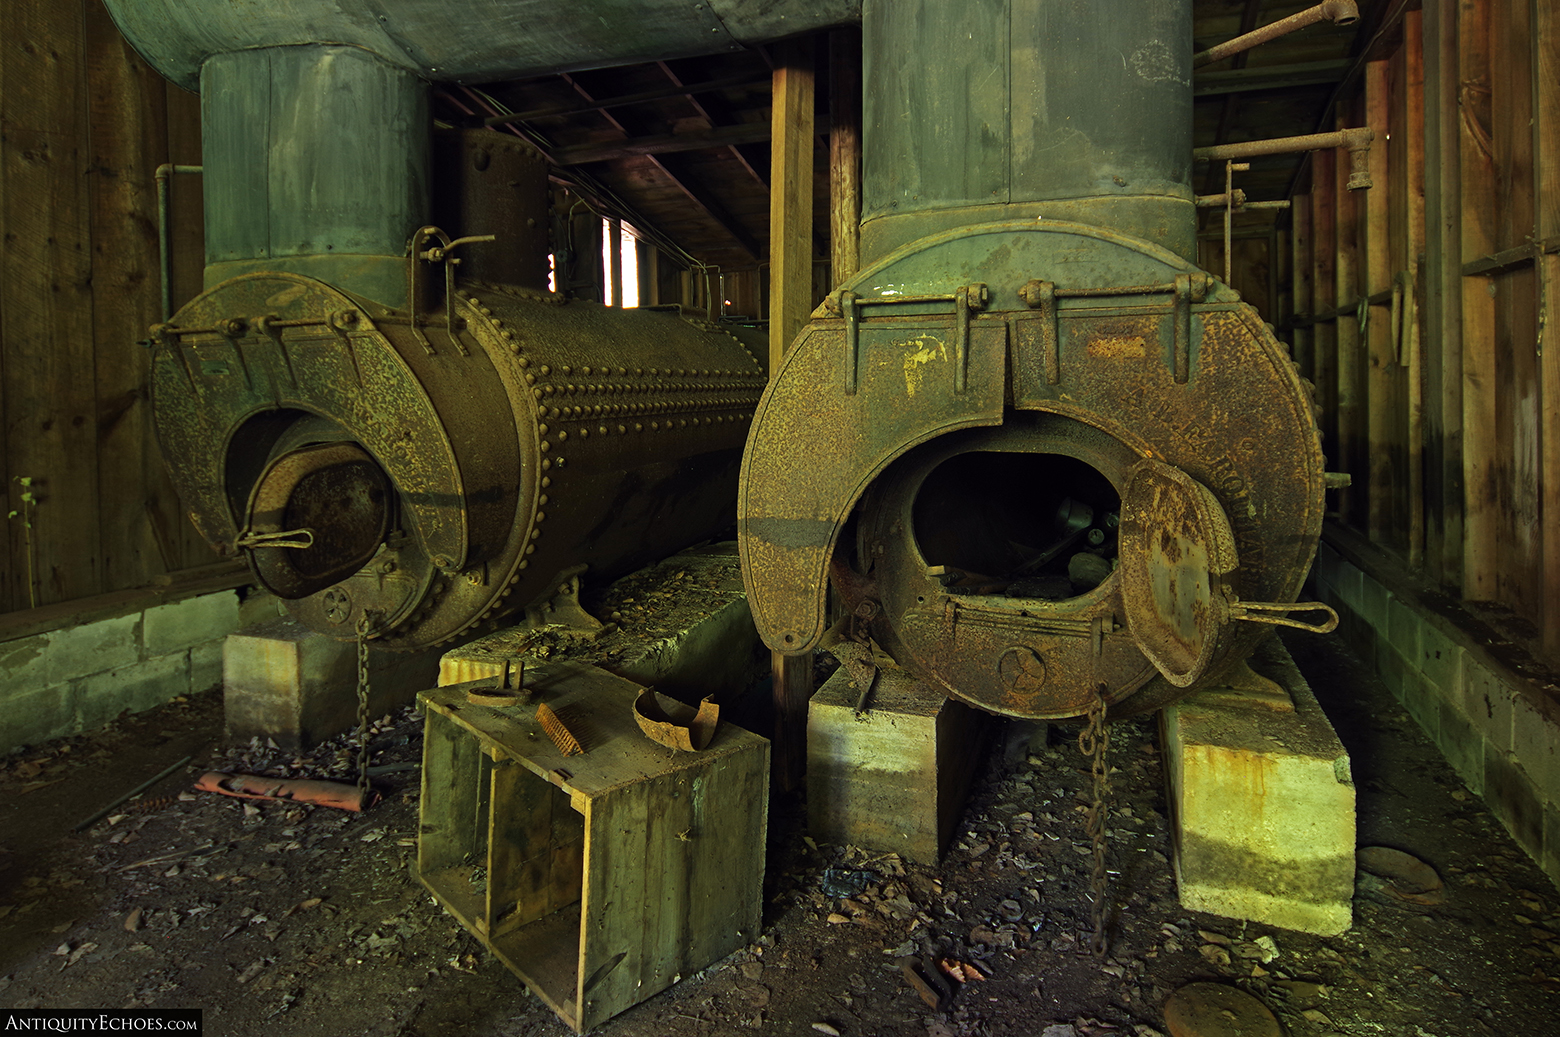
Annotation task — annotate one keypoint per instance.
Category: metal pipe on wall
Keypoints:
(165, 173)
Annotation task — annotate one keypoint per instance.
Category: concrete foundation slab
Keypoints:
(893, 778)
(1263, 805)
(286, 682)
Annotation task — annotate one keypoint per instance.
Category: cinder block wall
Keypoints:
(78, 678)
(1499, 730)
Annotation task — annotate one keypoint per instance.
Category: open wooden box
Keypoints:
(599, 879)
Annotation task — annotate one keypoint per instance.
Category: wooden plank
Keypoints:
(1519, 539)
(1549, 445)
(1385, 454)
(1301, 304)
(790, 301)
(1546, 188)
(1324, 295)
(660, 144)
(844, 153)
(128, 134)
(1412, 127)
(46, 269)
(1481, 509)
(1352, 455)
(1442, 314)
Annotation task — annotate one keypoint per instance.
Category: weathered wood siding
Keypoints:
(84, 123)
(1445, 406)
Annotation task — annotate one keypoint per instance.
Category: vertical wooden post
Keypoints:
(790, 197)
(790, 301)
(613, 258)
(1351, 440)
(1443, 299)
(1481, 510)
(1546, 191)
(1301, 307)
(1324, 296)
(649, 274)
(1413, 129)
(1380, 410)
(844, 154)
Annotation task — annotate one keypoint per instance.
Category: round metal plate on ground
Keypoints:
(1216, 1010)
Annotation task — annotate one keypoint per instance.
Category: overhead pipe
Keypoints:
(1357, 140)
(1339, 12)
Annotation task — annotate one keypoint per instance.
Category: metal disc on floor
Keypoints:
(1215, 1010)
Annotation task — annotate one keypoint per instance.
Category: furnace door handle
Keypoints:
(1245, 609)
(301, 539)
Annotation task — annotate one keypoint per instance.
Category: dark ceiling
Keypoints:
(680, 149)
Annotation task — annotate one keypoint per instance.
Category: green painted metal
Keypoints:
(315, 155)
(1025, 109)
(473, 41)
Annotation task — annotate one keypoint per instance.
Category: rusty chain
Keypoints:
(363, 626)
(1093, 740)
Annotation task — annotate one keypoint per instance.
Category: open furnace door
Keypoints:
(1176, 549)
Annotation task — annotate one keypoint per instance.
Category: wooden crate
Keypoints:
(598, 879)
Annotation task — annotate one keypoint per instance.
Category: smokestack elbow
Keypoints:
(1341, 12)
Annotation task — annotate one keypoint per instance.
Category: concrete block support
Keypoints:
(893, 778)
(79, 677)
(1497, 728)
(286, 682)
(1263, 804)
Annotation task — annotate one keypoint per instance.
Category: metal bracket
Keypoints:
(1043, 295)
(965, 299)
(562, 608)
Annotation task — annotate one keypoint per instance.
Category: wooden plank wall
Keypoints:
(1445, 405)
(86, 123)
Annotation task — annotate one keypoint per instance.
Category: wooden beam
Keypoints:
(1546, 190)
(1324, 295)
(1413, 129)
(716, 112)
(790, 301)
(613, 257)
(1519, 580)
(1381, 362)
(660, 144)
(677, 89)
(1301, 302)
(1268, 77)
(684, 181)
(844, 153)
(1352, 454)
(1481, 507)
(1443, 299)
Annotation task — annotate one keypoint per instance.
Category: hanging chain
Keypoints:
(362, 704)
(1093, 740)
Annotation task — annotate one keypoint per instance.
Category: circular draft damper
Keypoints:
(316, 516)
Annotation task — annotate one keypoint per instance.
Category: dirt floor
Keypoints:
(281, 920)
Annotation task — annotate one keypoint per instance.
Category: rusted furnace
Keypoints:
(401, 450)
(1037, 449)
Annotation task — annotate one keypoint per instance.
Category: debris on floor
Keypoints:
(287, 918)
